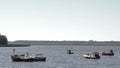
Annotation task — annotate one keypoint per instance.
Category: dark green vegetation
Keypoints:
(3, 40)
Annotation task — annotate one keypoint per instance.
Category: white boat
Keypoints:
(95, 55)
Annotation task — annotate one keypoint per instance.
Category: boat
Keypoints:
(70, 51)
(110, 53)
(27, 58)
(95, 55)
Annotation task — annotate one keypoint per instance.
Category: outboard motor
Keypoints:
(70, 51)
(111, 51)
(97, 55)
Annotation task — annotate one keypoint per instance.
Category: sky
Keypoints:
(60, 19)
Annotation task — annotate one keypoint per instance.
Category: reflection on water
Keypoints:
(57, 57)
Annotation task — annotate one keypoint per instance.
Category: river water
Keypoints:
(57, 57)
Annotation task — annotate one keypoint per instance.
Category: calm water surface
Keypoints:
(58, 58)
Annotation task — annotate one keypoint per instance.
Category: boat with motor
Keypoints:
(110, 53)
(94, 55)
(70, 51)
(27, 58)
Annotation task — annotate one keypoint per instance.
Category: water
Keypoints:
(57, 57)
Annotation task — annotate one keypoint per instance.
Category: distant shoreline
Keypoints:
(75, 45)
(65, 43)
(15, 45)
(50, 45)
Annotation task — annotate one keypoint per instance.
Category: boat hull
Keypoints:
(19, 59)
(108, 54)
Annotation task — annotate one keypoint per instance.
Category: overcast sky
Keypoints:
(60, 19)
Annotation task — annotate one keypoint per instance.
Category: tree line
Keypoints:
(3, 40)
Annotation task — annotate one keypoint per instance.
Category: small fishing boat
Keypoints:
(70, 51)
(27, 58)
(110, 53)
(95, 55)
